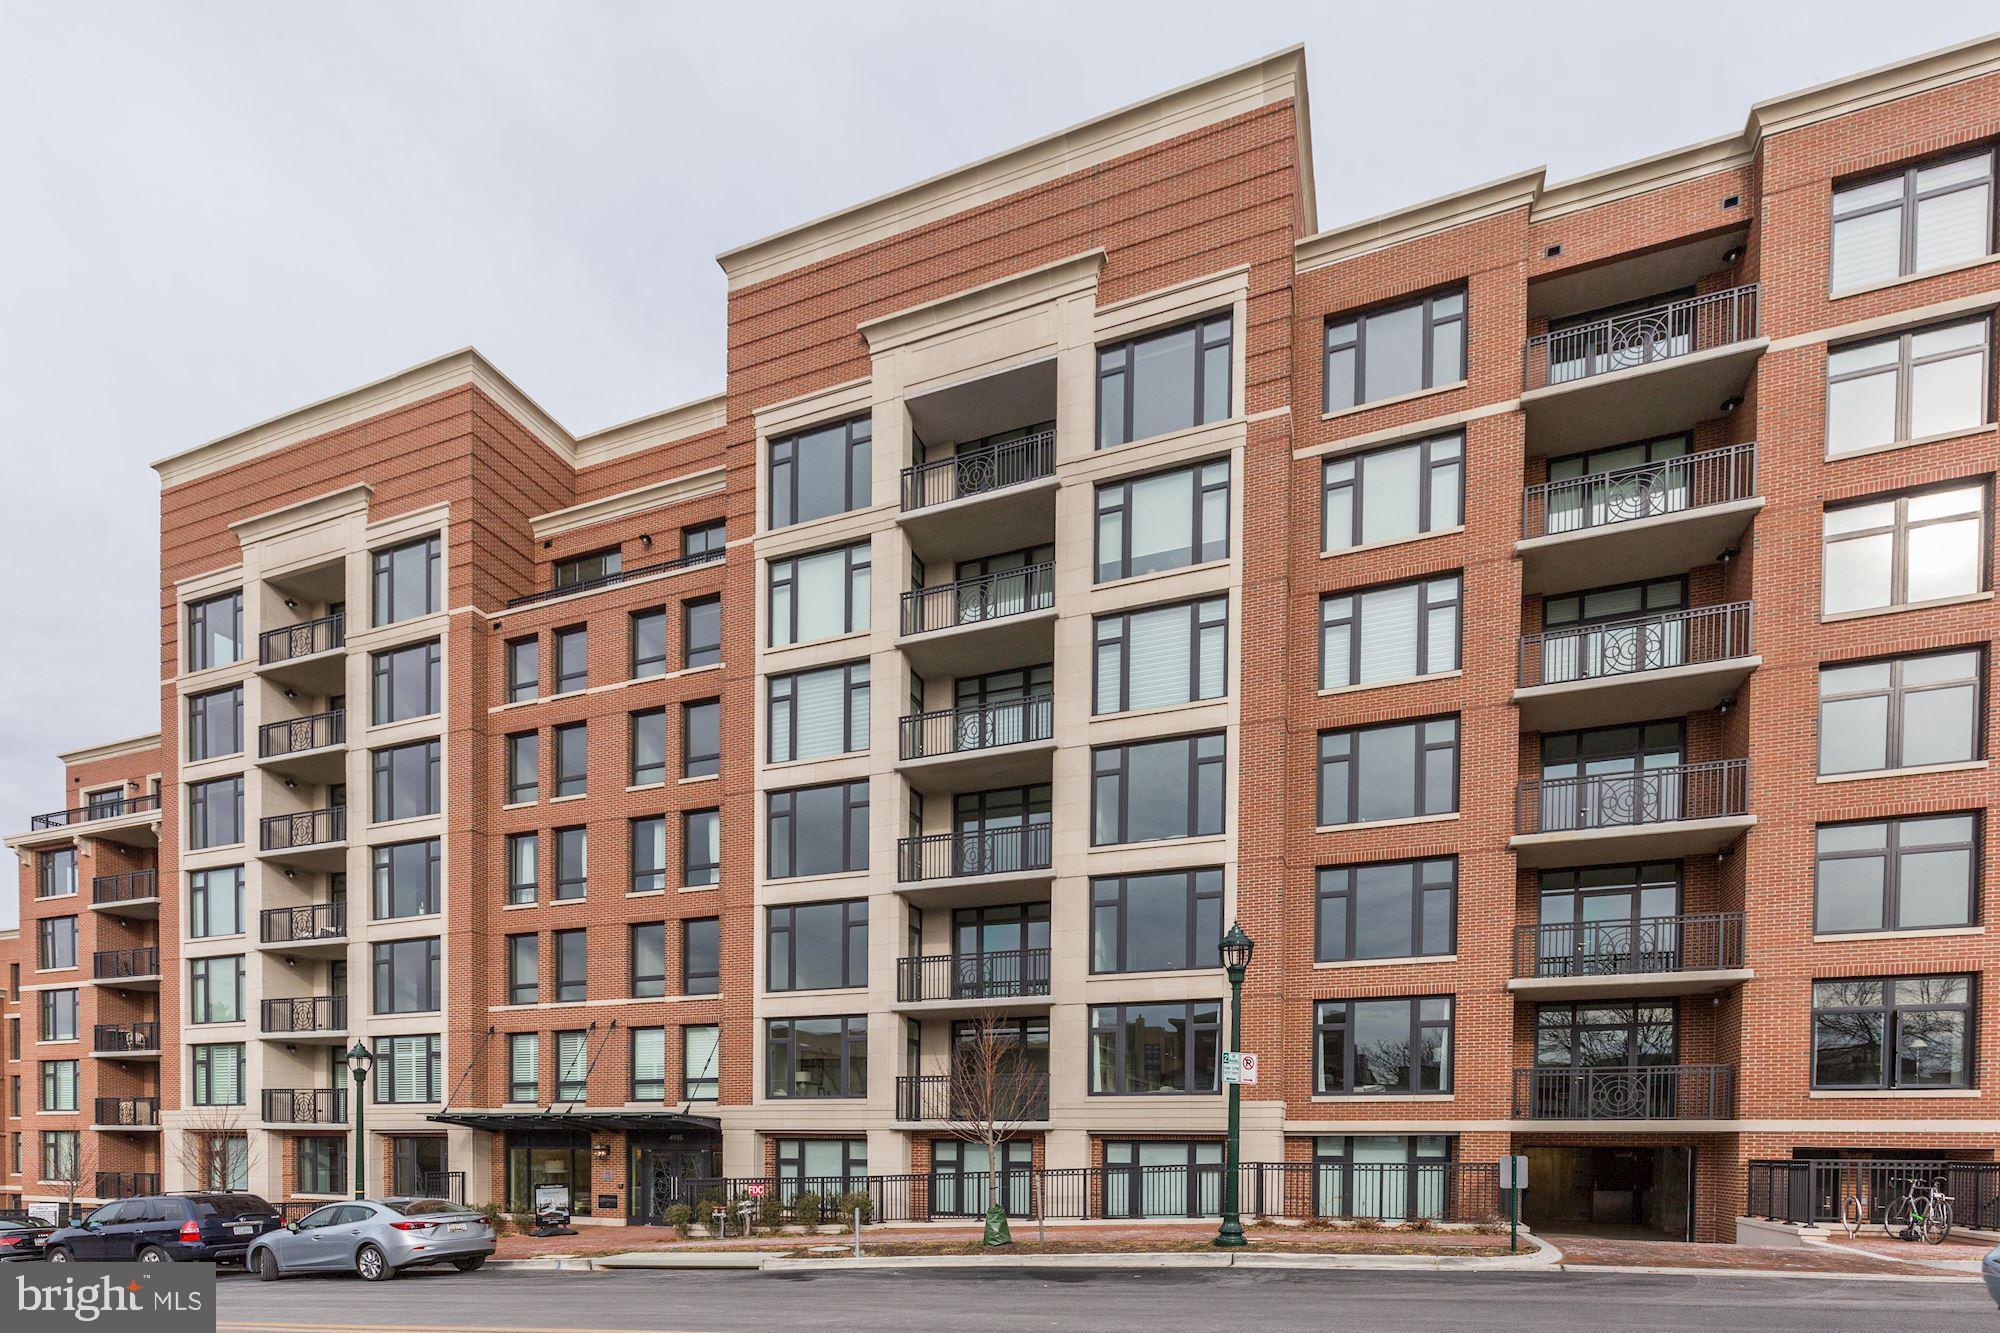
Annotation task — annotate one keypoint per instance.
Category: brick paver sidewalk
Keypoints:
(1587, 1252)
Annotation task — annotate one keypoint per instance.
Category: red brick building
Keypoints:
(1553, 620)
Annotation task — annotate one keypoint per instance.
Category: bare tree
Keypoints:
(214, 1147)
(993, 1091)
(79, 1182)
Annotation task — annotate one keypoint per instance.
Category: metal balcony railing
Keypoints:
(975, 852)
(306, 828)
(1688, 942)
(294, 735)
(1654, 1092)
(1643, 796)
(127, 1184)
(305, 1106)
(980, 470)
(303, 925)
(306, 1013)
(308, 637)
(1611, 648)
(115, 807)
(1650, 490)
(930, 1097)
(117, 1038)
(1001, 974)
(1011, 592)
(132, 886)
(1642, 337)
(138, 1112)
(621, 576)
(979, 727)
(113, 964)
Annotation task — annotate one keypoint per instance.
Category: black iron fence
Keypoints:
(1687, 942)
(1643, 643)
(306, 1013)
(294, 735)
(305, 1106)
(104, 807)
(113, 964)
(1643, 796)
(933, 1097)
(126, 1184)
(998, 974)
(1648, 1092)
(446, 1185)
(1642, 337)
(116, 1038)
(979, 727)
(303, 925)
(612, 580)
(1650, 490)
(1816, 1190)
(132, 886)
(132, 1112)
(1010, 592)
(996, 851)
(320, 635)
(306, 828)
(976, 471)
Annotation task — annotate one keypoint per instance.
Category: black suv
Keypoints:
(164, 1228)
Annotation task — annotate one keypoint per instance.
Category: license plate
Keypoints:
(244, 1229)
(456, 1226)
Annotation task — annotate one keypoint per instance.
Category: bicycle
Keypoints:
(1923, 1213)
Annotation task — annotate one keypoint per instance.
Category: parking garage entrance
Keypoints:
(1612, 1191)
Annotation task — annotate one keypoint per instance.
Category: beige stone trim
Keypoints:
(1977, 303)
(648, 432)
(1030, 288)
(1411, 431)
(687, 486)
(111, 749)
(1424, 219)
(279, 522)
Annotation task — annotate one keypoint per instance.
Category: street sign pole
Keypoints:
(1513, 1179)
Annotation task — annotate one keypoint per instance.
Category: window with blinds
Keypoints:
(1162, 656)
(649, 1064)
(218, 1074)
(524, 1067)
(1928, 216)
(819, 713)
(407, 1069)
(701, 1062)
(572, 1065)
(1384, 634)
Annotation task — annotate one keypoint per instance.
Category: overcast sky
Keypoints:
(211, 213)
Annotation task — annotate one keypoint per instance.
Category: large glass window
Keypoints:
(215, 723)
(215, 631)
(1892, 1032)
(408, 580)
(408, 1069)
(1162, 656)
(1155, 1048)
(1912, 386)
(649, 643)
(524, 874)
(819, 596)
(406, 682)
(1164, 521)
(215, 813)
(1389, 1177)
(572, 746)
(649, 1064)
(816, 1057)
(701, 955)
(1161, 922)
(1393, 633)
(588, 567)
(649, 747)
(701, 738)
(407, 879)
(1163, 382)
(572, 863)
(572, 658)
(818, 713)
(59, 1079)
(649, 959)
(1919, 218)
(215, 990)
(1383, 1046)
(1903, 549)
(524, 767)
(816, 946)
(1398, 771)
(407, 977)
(1900, 713)
(820, 472)
(321, 1164)
(58, 1015)
(825, 1167)
(1389, 494)
(1396, 350)
(524, 1066)
(701, 848)
(405, 781)
(1917, 873)
(55, 874)
(1400, 909)
(818, 830)
(701, 1062)
(1157, 789)
(218, 1074)
(649, 854)
(524, 969)
(55, 943)
(572, 1066)
(524, 669)
(572, 949)
(705, 540)
(1616, 918)
(701, 630)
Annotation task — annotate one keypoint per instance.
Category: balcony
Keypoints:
(126, 1184)
(1654, 1092)
(134, 894)
(305, 1106)
(315, 927)
(129, 820)
(1004, 744)
(1686, 954)
(1666, 665)
(981, 624)
(311, 748)
(309, 656)
(135, 969)
(126, 1041)
(315, 838)
(1636, 523)
(1653, 814)
(614, 579)
(974, 980)
(984, 498)
(126, 1113)
(944, 866)
(306, 1017)
(924, 1098)
(1642, 373)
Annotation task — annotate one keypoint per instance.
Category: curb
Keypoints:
(1764, 1272)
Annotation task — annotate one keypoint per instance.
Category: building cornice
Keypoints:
(1427, 218)
(687, 486)
(110, 749)
(276, 522)
(666, 427)
(1030, 287)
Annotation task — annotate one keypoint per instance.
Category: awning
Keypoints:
(584, 1121)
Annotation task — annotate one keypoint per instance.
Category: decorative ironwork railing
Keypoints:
(979, 727)
(997, 851)
(1689, 637)
(1642, 796)
(980, 470)
(1650, 490)
(322, 634)
(295, 735)
(1011, 592)
(1689, 942)
(998, 974)
(1642, 337)
(1646, 1092)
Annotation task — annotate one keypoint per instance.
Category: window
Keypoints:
(59, 1085)
(1162, 656)
(1155, 1048)
(55, 943)
(1902, 550)
(820, 472)
(406, 682)
(1913, 386)
(1920, 218)
(1401, 909)
(701, 738)
(701, 1062)
(1390, 494)
(819, 713)
(1163, 382)
(215, 631)
(572, 863)
(405, 781)
(1899, 874)
(649, 959)
(1164, 521)
(818, 830)
(524, 854)
(649, 854)
(701, 847)
(408, 581)
(701, 955)
(59, 1155)
(819, 596)
(701, 631)
(215, 902)
(1157, 789)
(816, 1057)
(1399, 771)
(649, 1064)
(572, 965)
(1395, 351)
(572, 658)
(524, 1067)
(1156, 923)
(216, 992)
(1383, 1046)
(816, 946)
(407, 879)
(572, 745)
(1393, 633)
(55, 874)
(649, 643)
(218, 1074)
(822, 1166)
(406, 977)
(1901, 713)
(704, 539)
(58, 1015)
(215, 723)
(524, 669)
(322, 1165)
(524, 969)
(572, 1066)
(524, 767)
(215, 813)
(408, 1069)
(588, 567)
(1892, 1032)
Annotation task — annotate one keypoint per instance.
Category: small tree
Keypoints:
(214, 1148)
(993, 1091)
(79, 1181)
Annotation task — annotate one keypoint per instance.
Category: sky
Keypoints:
(213, 212)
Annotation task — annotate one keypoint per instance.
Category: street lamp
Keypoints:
(359, 1061)
(1236, 950)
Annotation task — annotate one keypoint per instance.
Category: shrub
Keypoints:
(852, 1200)
(806, 1209)
(1423, 1222)
(770, 1209)
(705, 1205)
(524, 1222)
(679, 1216)
(1364, 1224)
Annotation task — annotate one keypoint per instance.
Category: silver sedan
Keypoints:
(375, 1238)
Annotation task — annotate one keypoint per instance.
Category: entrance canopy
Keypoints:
(584, 1121)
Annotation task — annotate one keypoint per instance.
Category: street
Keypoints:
(1109, 1301)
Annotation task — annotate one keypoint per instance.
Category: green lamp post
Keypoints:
(1236, 950)
(359, 1061)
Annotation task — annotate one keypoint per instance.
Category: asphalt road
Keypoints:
(1109, 1301)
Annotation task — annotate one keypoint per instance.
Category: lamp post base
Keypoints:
(1231, 1235)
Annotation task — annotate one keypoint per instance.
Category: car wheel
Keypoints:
(56, 1255)
(469, 1264)
(153, 1254)
(371, 1265)
(266, 1266)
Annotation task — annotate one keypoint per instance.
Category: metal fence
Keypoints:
(1647, 1092)
(996, 851)
(115, 1038)
(118, 964)
(295, 735)
(127, 1112)
(307, 828)
(1687, 942)
(1651, 490)
(1643, 643)
(621, 576)
(110, 807)
(126, 1184)
(1011, 592)
(305, 1106)
(1642, 337)
(306, 1013)
(303, 925)
(998, 974)
(1816, 1190)
(979, 470)
(1642, 796)
(921, 1097)
(979, 727)
(133, 886)
(308, 637)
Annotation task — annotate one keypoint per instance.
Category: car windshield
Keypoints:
(228, 1206)
(424, 1207)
